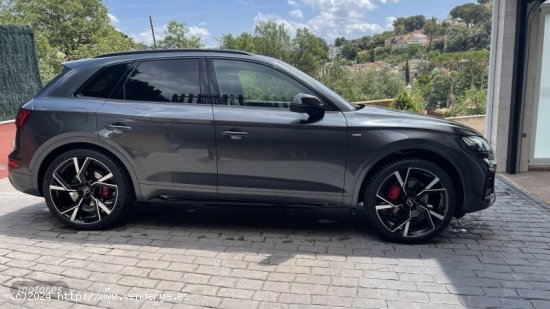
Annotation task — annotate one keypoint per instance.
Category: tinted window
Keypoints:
(103, 83)
(250, 84)
(174, 81)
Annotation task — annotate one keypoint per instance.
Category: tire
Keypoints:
(90, 190)
(423, 195)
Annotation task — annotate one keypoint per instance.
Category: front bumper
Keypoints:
(482, 192)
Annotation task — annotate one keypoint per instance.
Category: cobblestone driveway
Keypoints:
(279, 259)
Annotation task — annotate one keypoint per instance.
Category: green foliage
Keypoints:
(433, 29)
(305, 50)
(472, 102)
(362, 85)
(339, 41)
(349, 51)
(308, 52)
(175, 36)
(363, 56)
(405, 102)
(465, 39)
(272, 39)
(65, 30)
(19, 78)
(471, 13)
(408, 24)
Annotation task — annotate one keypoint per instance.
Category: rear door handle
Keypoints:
(117, 126)
(235, 135)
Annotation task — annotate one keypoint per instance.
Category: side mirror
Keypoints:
(308, 104)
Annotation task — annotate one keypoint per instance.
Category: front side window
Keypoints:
(174, 81)
(250, 84)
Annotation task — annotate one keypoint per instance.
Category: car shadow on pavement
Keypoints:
(487, 259)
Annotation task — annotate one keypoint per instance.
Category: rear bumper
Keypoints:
(22, 182)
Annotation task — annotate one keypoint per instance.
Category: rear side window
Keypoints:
(103, 83)
(174, 80)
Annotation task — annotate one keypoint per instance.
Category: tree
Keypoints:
(407, 72)
(399, 25)
(349, 51)
(433, 29)
(245, 42)
(413, 23)
(339, 41)
(371, 55)
(471, 13)
(65, 30)
(272, 39)
(465, 39)
(309, 51)
(175, 36)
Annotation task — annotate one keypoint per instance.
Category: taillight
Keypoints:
(22, 117)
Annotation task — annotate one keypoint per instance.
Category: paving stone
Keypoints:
(499, 257)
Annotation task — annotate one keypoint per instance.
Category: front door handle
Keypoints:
(118, 126)
(235, 135)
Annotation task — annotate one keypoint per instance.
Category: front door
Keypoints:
(266, 153)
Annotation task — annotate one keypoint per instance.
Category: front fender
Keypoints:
(373, 147)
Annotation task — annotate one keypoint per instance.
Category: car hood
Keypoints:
(378, 117)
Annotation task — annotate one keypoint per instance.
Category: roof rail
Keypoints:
(179, 50)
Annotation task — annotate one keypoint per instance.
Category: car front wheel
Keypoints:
(86, 189)
(410, 201)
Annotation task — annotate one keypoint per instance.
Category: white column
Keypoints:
(500, 77)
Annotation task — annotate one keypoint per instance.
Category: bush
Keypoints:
(361, 85)
(405, 102)
(472, 102)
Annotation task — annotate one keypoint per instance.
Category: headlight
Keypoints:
(479, 145)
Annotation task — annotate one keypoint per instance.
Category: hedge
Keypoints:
(19, 76)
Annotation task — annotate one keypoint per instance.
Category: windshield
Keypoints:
(313, 81)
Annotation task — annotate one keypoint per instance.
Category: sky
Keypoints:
(210, 19)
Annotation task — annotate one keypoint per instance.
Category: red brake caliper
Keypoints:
(105, 192)
(394, 192)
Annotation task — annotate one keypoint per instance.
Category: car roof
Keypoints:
(113, 58)
(175, 50)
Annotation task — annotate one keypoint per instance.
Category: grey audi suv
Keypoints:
(227, 127)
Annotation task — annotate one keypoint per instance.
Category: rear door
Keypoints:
(160, 118)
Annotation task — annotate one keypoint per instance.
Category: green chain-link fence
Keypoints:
(19, 76)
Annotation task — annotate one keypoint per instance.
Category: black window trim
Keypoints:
(203, 82)
(215, 92)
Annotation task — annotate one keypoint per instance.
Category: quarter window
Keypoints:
(250, 84)
(175, 81)
(103, 83)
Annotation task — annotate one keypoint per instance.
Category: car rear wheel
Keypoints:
(410, 201)
(86, 189)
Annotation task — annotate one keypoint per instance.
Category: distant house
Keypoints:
(406, 40)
